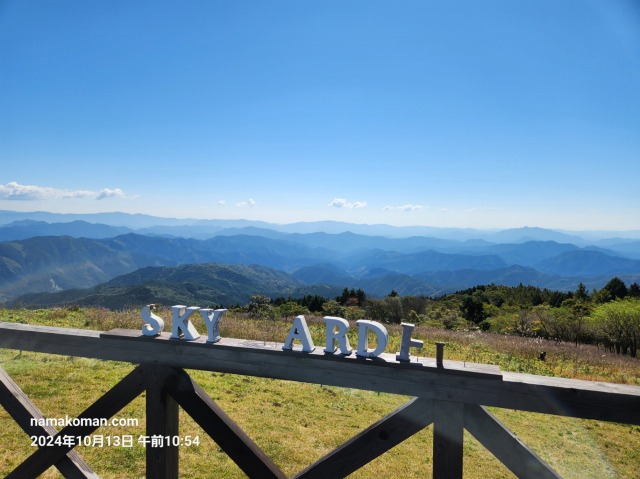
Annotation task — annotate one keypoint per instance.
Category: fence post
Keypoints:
(162, 420)
(448, 432)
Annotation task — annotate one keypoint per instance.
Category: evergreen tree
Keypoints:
(616, 288)
(581, 293)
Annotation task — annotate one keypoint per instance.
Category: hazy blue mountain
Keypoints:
(406, 264)
(584, 263)
(380, 285)
(423, 261)
(337, 227)
(448, 281)
(529, 253)
(526, 234)
(197, 228)
(325, 273)
(241, 249)
(628, 248)
(80, 229)
(253, 231)
(202, 229)
(128, 220)
(280, 254)
(349, 242)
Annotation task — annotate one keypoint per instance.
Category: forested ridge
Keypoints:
(609, 316)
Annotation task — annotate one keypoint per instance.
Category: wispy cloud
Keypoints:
(250, 203)
(18, 192)
(404, 208)
(222, 202)
(109, 193)
(343, 203)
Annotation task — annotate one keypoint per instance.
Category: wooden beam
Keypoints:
(448, 434)
(454, 382)
(22, 410)
(374, 441)
(162, 420)
(504, 445)
(109, 404)
(222, 429)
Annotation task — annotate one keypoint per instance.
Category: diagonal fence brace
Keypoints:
(22, 410)
(399, 425)
(222, 429)
(504, 445)
(130, 387)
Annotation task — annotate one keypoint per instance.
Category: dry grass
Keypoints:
(517, 354)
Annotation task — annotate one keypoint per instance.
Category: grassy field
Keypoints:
(296, 424)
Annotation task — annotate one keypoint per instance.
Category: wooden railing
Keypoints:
(451, 395)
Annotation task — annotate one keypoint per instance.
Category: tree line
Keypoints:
(609, 316)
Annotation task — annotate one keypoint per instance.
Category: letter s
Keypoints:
(153, 324)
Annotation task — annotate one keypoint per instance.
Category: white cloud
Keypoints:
(343, 203)
(16, 191)
(250, 203)
(109, 193)
(404, 208)
(222, 202)
(79, 194)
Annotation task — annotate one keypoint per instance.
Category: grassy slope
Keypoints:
(297, 423)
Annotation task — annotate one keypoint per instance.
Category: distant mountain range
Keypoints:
(121, 261)
(202, 229)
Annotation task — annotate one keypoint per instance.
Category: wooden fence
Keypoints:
(450, 395)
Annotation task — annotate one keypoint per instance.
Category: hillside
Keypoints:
(203, 284)
(60, 262)
(49, 264)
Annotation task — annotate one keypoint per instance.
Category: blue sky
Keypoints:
(484, 114)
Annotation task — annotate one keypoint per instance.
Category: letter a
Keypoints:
(300, 331)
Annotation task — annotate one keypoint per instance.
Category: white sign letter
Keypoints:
(153, 324)
(181, 327)
(339, 336)
(299, 330)
(213, 319)
(407, 342)
(382, 337)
